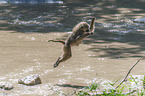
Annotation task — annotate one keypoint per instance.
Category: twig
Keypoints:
(128, 73)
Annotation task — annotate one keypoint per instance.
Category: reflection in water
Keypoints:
(26, 28)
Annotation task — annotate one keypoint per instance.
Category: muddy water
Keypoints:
(25, 29)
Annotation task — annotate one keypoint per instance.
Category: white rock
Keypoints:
(30, 80)
(6, 85)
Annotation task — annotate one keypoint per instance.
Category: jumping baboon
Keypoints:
(79, 32)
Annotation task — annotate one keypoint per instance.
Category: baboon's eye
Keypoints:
(88, 30)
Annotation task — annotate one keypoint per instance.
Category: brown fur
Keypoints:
(80, 31)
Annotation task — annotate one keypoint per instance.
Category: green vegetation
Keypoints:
(95, 89)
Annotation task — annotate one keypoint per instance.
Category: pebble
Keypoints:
(6, 85)
(30, 80)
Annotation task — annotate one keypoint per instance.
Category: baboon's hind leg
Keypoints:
(66, 55)
(57, 62)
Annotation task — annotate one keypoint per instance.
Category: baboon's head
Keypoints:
(83, 26)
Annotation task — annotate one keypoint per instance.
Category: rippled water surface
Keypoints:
(25, 28)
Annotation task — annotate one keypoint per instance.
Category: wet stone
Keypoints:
(6, 85)
(30, 80)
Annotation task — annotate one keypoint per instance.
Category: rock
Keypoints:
(6, 85)
(140, 20)
(30, 80)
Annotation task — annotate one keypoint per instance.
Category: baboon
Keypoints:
(79, 32)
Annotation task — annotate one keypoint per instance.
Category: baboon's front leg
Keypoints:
(92, 26)
(65, 56)
(80, 38)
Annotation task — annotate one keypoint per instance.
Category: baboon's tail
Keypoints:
(61, 41)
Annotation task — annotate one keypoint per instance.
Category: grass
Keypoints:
(102, 88)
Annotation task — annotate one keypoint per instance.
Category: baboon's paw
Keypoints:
(55, 65)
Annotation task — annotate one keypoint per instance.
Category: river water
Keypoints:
(25, 29)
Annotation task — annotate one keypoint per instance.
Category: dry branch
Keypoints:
(128, 73)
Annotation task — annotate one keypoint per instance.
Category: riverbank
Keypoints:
(23, 54)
